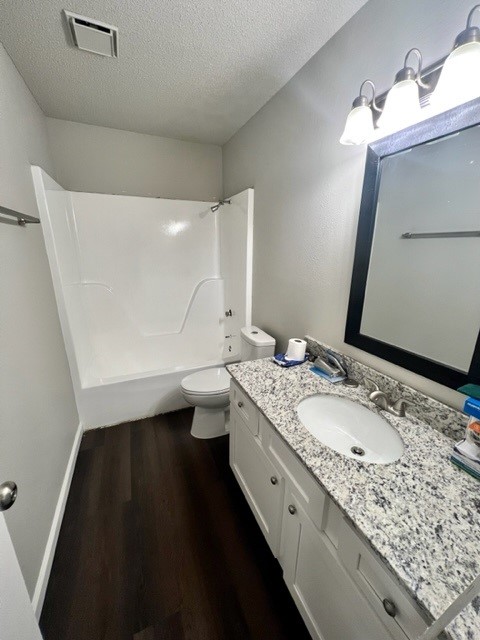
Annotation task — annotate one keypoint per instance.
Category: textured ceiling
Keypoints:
(189, 69)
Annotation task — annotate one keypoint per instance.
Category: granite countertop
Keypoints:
(421, 514)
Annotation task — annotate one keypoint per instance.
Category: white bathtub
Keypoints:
(142, 286)
(130, 397)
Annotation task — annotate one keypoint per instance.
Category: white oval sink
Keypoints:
(350, 428)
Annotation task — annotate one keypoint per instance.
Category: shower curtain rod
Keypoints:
(219, 204)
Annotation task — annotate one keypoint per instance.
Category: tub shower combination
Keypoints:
(148, 290)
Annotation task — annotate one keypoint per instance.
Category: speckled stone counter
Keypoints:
(421, 514)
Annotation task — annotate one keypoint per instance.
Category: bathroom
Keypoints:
(177, 209)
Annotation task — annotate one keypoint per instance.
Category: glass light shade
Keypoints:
(358, 127)
(402, 106)
(459, 81)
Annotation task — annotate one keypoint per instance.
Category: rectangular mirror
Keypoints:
(415, 296)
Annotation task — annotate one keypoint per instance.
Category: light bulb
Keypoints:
(402, 106)
(459, 81)
(358, 127)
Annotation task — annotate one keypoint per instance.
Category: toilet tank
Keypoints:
(256, 344)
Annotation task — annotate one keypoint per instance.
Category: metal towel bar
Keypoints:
(442, 234)
(21, 219)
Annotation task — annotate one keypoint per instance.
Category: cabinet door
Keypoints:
(331, 606)
(259, 479)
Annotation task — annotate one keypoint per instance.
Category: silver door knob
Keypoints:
(8, 494)
(273, 480)
(240, 404)
(292, 509)
(390, 607)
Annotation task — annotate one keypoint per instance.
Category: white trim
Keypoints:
(44, 573)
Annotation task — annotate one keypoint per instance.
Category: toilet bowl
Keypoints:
(209, 390)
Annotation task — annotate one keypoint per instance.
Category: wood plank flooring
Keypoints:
(158, 543)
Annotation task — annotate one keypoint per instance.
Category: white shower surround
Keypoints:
(142, 285)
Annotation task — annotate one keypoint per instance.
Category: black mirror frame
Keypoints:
(457, 119)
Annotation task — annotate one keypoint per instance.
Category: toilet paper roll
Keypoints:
(296, 349)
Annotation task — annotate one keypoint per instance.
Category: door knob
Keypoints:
(292, 509)
(273, 480)
(8, 494)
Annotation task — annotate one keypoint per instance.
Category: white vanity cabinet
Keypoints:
(259, 479)
(331, 606)
(337, 583)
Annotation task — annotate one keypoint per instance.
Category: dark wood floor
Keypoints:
(158, 542)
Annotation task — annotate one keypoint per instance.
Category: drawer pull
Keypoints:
(292, 509)
(240, 404)
(390, 608)
(273, 480)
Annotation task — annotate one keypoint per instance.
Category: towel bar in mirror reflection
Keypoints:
(441, 234)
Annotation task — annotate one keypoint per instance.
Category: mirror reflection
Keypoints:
(422, 292)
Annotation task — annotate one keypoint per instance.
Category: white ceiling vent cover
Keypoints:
(92, 35)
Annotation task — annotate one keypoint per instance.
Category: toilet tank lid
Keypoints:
(257, 337)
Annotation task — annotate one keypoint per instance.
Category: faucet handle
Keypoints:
(380, 399)
(400, 406)
(370, 384)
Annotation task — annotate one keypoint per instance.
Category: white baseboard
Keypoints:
(44, 573)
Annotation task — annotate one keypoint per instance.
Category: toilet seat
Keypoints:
(193, 394)
(207, 382)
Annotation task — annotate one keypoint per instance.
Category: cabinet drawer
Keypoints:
(378, 585)
(245, 407)
(306, 488)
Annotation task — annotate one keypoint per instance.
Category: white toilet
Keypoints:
(208, 390)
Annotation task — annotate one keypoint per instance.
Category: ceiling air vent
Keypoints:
(92, 35)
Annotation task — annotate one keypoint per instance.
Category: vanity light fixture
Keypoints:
(455, 79)
(459, 81)
(402, 105)
(359, 125)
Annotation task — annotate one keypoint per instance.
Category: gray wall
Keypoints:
(308, 186)
(103, 160)
(38, 416)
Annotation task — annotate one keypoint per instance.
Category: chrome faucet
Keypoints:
(381, 400)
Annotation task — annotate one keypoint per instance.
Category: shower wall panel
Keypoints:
(150, 284)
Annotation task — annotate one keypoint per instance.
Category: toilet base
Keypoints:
(210, 423)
